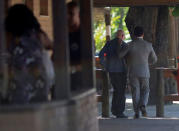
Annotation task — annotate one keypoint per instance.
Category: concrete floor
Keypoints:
(142, 124)
(169, 123)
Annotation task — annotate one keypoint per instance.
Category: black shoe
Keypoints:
(121, 116)
(136, 116)
(143, 110)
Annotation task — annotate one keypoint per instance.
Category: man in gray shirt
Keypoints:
(117, 72)
(139, 54)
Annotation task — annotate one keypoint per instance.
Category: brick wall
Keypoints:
(77, 114)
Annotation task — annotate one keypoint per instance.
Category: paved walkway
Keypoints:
(143, 124)
(169, 123)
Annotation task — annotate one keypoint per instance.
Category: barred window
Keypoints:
(44, 7)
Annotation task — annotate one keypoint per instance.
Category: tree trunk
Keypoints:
(145, 17)
(154, 20)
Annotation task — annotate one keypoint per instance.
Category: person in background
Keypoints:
(31, 72)
(140, 54)
(117, 72)
(73, 12)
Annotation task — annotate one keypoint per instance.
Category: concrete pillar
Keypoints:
(61, 50)
(87, 45)
(3, 66)
(160, 94)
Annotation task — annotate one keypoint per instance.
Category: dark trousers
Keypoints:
(76, 82)
(118, 81)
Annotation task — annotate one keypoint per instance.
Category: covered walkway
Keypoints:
(66, 112)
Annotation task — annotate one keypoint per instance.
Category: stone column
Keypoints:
(87, 45)
(61, 50)
(3, 65)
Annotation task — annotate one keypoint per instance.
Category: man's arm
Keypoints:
(152, 56)
(123, 50)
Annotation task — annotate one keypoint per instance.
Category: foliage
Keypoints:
(117, 21)
(175, 12)
(99, 35)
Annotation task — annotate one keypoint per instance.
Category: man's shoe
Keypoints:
(143, 110)
(121, 116)
(136, 116)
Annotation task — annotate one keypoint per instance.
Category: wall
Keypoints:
(45, 21)
(77, 114)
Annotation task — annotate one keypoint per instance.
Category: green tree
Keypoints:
(99, 35)
(175, 12)
(118, 15)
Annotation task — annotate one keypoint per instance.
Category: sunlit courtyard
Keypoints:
(170, 110)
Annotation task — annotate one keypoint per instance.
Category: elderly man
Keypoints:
(117, 72)
(139, 53)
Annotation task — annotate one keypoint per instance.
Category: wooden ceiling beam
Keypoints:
(123, 3)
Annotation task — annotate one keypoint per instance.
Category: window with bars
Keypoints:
(44, 7)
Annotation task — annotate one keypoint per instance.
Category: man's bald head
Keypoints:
(120, 34)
